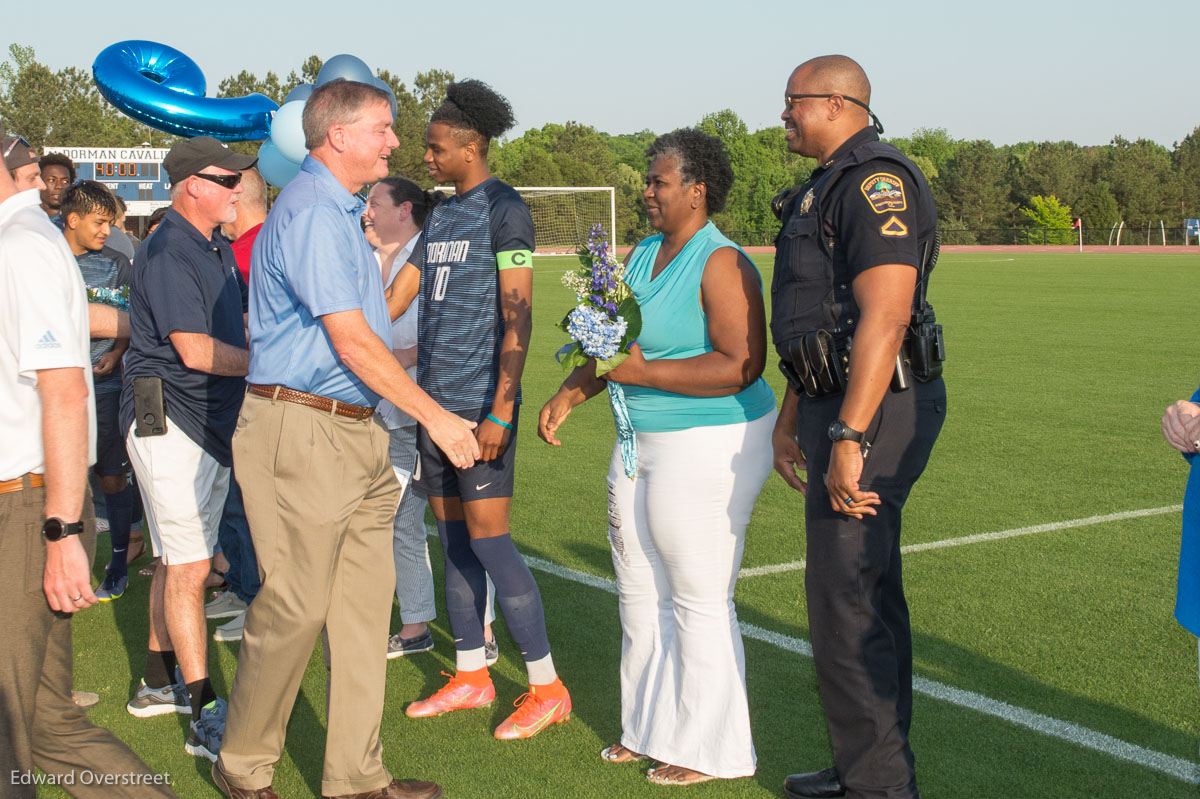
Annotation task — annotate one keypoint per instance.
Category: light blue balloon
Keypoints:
(345, 66)
(275, 169)
(391, 95)
(301, 92)
(287, 131)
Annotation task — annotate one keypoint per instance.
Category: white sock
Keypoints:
(469, 659)
(541, 672)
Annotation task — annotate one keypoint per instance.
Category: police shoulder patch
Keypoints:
(885, 192)
(894, 227)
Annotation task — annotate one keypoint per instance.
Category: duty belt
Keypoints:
(316, 401)
(815, 363)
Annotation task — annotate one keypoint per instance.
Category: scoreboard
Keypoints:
(134, 174)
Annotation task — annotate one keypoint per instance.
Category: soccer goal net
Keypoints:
(563, 215)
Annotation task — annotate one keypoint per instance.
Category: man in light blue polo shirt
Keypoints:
(312, 459)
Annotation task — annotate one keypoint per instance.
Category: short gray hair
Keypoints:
(338, 102)
(254, 190)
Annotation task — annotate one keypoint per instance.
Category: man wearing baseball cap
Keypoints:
(22, 163)
(48, 427)
(183, 386)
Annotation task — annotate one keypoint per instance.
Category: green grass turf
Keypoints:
(1059, 368)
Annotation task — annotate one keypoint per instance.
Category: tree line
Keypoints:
(978, 186)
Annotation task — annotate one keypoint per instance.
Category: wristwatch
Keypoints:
(838, 431)
(56, 529)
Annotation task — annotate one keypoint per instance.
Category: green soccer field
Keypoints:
(1048, 662)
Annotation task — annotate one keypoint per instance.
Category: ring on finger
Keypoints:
(847, 500)
(77, 598)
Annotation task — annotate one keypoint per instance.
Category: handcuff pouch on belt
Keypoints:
(815, 364)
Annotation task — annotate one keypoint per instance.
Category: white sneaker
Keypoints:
(231, 630)
(101, 524)
(226, 604)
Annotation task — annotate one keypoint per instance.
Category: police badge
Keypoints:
(807, 202)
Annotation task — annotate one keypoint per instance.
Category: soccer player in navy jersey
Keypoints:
(473, 268)
(88, 211)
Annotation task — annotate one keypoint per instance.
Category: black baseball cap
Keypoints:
(191, 156)
(17, 152)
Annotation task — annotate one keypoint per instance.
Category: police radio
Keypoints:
(783, 201)
(926, 348)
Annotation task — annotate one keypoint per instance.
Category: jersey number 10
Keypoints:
(439, 283)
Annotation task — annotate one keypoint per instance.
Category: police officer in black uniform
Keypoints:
(865, 403)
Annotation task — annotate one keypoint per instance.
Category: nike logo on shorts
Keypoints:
(480, 488)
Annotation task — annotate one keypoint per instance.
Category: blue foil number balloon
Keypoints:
(162, 87)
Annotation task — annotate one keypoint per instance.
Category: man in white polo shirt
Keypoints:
(48, 425)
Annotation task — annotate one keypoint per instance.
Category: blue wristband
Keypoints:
(505, 425)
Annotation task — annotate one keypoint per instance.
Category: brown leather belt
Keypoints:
(312, 401)
(9, 486)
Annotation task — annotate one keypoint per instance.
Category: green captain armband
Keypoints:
(514, 259)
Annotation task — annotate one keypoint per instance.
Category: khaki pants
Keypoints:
(320, 497)
(40, 725)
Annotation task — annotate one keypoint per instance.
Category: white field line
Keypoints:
(1178, 768)
(797, 565)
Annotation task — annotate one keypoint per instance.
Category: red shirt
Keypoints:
(242, 248)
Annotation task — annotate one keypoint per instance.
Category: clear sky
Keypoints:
(1008, 72)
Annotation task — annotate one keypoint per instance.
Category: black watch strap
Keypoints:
(56, 529)
(840, 431)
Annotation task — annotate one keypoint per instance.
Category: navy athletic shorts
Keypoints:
(111, 458)
(435, 476)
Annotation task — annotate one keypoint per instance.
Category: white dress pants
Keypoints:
(677, 532)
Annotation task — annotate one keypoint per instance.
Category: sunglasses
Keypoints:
(790, 100)
(12, 145)
(225, 181)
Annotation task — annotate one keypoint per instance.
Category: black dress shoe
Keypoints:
(823, 783)
(398, 790)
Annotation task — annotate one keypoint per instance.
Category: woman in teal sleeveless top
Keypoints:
(702, 417)
(675, 326)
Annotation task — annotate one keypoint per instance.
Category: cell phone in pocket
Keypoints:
(149, 412)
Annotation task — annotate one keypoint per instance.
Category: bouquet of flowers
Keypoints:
(607, 319)
(603, 325)
(118, 298)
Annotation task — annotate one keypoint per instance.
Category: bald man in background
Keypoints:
(252, 212)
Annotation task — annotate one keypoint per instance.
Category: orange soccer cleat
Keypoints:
(536, 711)
(457, 694)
